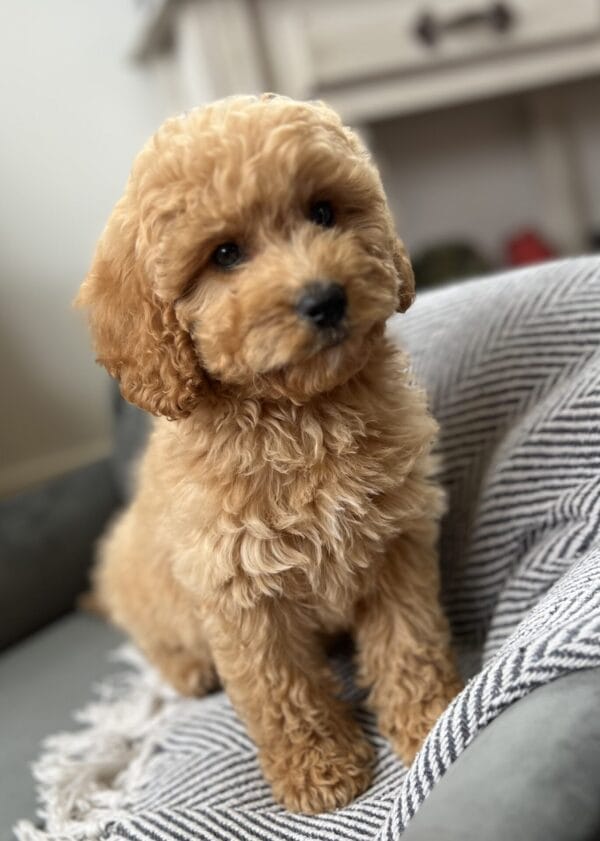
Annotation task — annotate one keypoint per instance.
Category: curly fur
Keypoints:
(292, 496)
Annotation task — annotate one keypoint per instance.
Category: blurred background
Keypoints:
(482, 115)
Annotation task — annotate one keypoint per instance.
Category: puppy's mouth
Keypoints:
(330, 337)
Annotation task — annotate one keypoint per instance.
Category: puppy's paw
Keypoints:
(410, 724)
(186, 673)
(320, 774)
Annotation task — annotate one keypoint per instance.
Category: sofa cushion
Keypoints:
(42, 680)
(131, 428)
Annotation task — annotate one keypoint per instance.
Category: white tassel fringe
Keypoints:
(85, 778)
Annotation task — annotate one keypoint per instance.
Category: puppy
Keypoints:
(239, 293)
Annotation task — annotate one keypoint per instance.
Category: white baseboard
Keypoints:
(26, 474)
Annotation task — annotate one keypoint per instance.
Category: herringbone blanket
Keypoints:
(513, 371)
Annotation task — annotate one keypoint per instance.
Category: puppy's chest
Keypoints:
(306, 503)
(305, 469)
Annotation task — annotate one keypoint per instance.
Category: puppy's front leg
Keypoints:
(311, 750)
(403, 642)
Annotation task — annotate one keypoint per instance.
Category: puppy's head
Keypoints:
(253, 247)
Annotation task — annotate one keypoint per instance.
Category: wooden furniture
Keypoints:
(381, 59)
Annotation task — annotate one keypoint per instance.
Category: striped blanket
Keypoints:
(513, 372)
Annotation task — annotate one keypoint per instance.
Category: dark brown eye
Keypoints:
(227, 255)
(321, 213)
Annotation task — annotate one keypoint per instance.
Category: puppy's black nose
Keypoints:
(322, 303)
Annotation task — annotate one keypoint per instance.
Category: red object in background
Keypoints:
(528, 247)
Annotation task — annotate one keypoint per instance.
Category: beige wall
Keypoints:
(73, 113)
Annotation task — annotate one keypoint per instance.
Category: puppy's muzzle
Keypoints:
(323, 304)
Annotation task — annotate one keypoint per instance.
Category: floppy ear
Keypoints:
(405, 274)
(136, 334)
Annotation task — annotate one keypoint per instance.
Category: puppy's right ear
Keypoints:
(136, 334)
(406, 277)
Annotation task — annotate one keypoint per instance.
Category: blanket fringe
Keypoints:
(85, 776)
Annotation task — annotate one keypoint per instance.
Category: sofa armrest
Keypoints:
(46, 545)
(530, 775)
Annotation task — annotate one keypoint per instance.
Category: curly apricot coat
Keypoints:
(286, 490)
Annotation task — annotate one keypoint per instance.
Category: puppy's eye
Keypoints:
(227, 255)
(321, 213)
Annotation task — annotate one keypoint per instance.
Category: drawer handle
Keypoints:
(499, 17)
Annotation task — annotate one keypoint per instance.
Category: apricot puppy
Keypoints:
(239, 292)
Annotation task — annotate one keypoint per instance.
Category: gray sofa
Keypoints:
(51, 652)
(532, 773)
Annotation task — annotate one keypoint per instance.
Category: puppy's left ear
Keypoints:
(406, 292)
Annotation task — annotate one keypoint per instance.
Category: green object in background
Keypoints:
(448, 261)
